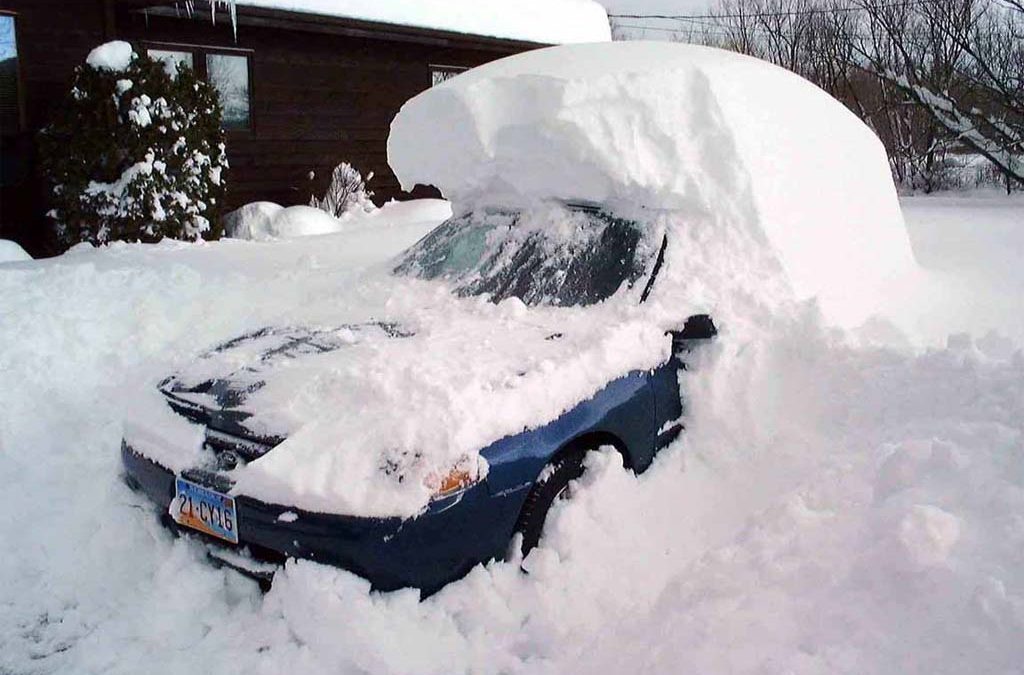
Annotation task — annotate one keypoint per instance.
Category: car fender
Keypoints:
(622, 414)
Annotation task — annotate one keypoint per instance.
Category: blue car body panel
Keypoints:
(624, 409)
(453, 534)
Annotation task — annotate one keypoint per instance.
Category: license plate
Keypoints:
(205, 510)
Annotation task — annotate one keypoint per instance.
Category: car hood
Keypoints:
(215, 389)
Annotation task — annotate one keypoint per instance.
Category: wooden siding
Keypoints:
(52, 37)
(317, 99)
(322, 90)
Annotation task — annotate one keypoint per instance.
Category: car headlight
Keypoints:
(466, 473)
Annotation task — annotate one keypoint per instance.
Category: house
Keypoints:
(305, 84)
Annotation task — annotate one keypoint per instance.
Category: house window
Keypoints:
(13, 150)
(10, 100)
(173, 59)
(229, 75)
(439, 74)
(227, 71)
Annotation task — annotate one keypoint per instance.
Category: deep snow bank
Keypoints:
(688, 129)
(801, 525)
(789, 531)
(970, 249)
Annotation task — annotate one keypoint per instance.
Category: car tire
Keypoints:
(557, 476)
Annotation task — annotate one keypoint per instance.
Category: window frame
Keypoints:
(19, 77)
(452, 71)
(199, 53)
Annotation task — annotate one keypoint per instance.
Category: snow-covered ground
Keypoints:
(11, 251)
(841, 502)
(266, 221)
(971, 245)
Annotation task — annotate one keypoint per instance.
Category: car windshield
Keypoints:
(560, 257)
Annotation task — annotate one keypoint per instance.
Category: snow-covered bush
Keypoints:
(135, 153)
(346, 192)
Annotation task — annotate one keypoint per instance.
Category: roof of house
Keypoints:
(541, 21)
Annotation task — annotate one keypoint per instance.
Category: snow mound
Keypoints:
(11, 251)
(302, 221)
(691, 130)
(409, 212)
(264, 221)
(113, 56)
(545, 21)
(251, 221)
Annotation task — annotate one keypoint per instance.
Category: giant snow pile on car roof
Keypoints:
(706, 134)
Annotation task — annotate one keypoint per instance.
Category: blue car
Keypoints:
(467, 522)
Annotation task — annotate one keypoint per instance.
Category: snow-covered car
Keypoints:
(408, 425)
(474, 511)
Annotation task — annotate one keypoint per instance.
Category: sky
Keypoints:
(653, 7)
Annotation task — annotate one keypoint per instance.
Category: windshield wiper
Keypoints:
(657, 267)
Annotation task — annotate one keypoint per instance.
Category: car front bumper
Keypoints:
(424, 552)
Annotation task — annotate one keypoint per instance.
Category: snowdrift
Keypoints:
(11, 251)
(667, 127)
(251, 221)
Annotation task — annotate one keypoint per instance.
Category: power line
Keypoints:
(724, 31)
(768, 14)
(703, 29)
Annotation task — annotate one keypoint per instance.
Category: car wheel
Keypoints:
(553, 485)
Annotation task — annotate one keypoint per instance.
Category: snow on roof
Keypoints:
(544, 21)
(666, 126)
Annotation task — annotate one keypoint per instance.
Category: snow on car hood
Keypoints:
(369, 411)
(215, 389)
(412, 379)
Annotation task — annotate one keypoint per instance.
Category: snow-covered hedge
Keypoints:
(135, 153)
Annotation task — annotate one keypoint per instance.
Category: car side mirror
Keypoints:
(698, 328)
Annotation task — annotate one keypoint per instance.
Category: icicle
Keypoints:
(232, 10)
